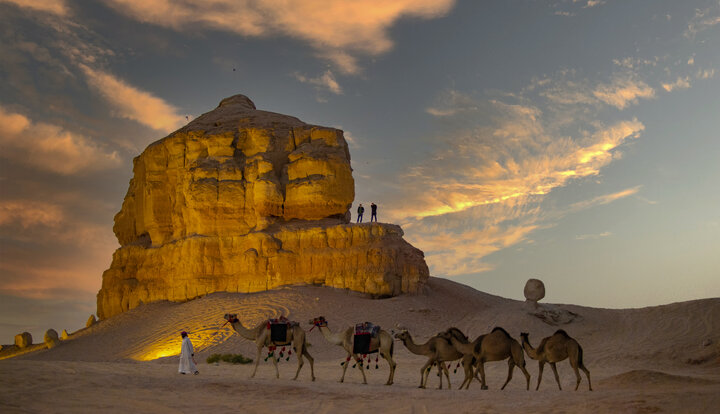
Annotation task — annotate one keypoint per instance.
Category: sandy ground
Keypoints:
(657, 359)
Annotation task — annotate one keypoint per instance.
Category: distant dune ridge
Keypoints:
(243, 200)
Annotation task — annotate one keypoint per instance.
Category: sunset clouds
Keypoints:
(50, 147)
(337, 29)
(132, 103)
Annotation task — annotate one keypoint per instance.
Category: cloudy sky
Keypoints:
(576, 141)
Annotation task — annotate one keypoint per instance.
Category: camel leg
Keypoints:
(447, 374)
(275, 363)
(481, 368)
(511, 368)
(345, 365)
(440, 374)
(469, 371)
(310, 359)
(527, 375)
(257, 361)
(557, 377)
(587, 374)
(390, 361)
(541, 365)
(423, 373)
(299, 355)
(574, 365)
(362, 371)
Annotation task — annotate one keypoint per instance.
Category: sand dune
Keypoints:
(657, 359)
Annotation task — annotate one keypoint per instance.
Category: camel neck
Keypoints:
(250, 334)
(413, 347)
(464, 348)
(333, 338)
(532, 352)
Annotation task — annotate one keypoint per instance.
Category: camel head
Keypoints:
(231, 317)
(455, 333)
(446, 335)
(403, 335)
(319, 322)
(525, 336)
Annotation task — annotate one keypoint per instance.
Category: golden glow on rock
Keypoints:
(242, 200)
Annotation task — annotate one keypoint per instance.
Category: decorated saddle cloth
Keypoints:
(366, 340)
(279, 328)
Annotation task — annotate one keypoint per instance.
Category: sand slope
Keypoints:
(657, 359)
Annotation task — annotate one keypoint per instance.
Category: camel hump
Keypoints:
(562, 332)
(497, 328)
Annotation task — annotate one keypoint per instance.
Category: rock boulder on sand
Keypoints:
(534, 290)
(243, 200)
(64, 335)
(91, 321)
(51, 338)
(23, 340)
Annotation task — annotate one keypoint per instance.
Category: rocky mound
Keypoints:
(243, 200)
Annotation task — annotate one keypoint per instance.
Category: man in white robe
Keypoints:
(187, 362)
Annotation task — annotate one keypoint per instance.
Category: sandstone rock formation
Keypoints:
(51, 338)
(534, 290)
(23, 340)
(243, 200)
(64, 335)
(91, 321)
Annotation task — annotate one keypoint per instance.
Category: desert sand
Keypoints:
(655, 359)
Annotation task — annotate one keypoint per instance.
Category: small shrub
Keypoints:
(231, 358)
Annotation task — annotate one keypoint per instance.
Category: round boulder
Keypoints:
(51, 338)
(534, 290)
(23, 340)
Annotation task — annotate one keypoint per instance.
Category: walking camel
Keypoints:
(437, 349)
(261, 336)
(468, 360)
(495, 346)
(346, 339)
(554, 349)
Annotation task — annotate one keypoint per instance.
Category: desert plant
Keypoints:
(231, 358)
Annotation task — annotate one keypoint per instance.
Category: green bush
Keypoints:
(231, 358)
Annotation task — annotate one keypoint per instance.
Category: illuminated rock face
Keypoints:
(242, 200)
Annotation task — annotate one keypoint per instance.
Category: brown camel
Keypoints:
(346, 338)
(261, 336)
(495, 346)
(554, 349)
(437, 349)
(468, 360)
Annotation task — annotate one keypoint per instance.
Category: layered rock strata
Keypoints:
(243, 200)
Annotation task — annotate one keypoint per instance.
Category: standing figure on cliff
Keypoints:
(187, 362)
(373, 212)
(360, 210)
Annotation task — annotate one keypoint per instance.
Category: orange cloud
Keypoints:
(49, 147)
(50, 6)
(336, 28)
(132, 103)
(30, 213)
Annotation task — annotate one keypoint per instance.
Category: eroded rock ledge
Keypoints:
(243, 200)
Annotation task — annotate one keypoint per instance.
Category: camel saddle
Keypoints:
(366, 340)
(278, 329)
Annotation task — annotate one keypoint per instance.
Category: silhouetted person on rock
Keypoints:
(373, 212)
(360, 210)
